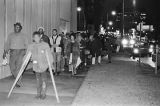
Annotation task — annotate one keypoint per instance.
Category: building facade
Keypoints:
(59, 14)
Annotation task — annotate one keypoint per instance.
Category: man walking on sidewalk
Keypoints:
(56, 42)
(95, 46)
(109, 47)
(16, 43)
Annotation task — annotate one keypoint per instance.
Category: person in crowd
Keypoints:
(109, 47)
(57, 44)
(44, 37)
(82, 44)
(16, 45)
(63, 40)
(73, 52)
(39, 49)
(95, 46)
(66, 40)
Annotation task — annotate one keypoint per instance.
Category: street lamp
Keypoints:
(79, 9)
(113, 13)
(134, 3)
(110, 23)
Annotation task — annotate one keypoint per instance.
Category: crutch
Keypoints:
(20, 72)
(52, 77)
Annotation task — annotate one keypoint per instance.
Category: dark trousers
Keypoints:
(15, 62)
(41, 83)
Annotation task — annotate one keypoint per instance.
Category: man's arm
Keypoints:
(7, 46)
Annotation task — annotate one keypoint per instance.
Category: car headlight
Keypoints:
(151, 46)
(150, 50)
(132, 42)
(135, 51)
(124, 41)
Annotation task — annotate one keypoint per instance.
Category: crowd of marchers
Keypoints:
(66, 51)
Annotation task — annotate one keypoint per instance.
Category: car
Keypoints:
(142, 49)
(128, 43)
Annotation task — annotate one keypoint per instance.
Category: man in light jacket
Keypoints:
(56, 45)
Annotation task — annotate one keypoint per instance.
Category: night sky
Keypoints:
(150, 7)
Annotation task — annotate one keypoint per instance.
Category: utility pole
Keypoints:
(123, 20)
(140, 42)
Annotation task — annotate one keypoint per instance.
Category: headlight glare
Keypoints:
(124, 41)
(132, 42)
(150, 50)
(136, 51)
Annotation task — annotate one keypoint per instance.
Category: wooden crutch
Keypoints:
(52, 77)
(20, 72)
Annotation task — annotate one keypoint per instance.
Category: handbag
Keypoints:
(78, 62)
(70, 58)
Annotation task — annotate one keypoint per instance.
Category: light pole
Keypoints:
(123, 20)
(134, 3)
(79, 9)
(113, 13)
(110, 23)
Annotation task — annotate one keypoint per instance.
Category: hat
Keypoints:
(40, 28)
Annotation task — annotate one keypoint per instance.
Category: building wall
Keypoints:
(33, 14)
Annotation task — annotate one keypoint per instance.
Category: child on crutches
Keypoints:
(38, 50)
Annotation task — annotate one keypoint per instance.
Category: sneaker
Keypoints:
(18, 86)
(58, 73)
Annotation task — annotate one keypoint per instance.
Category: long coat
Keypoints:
(95, 47)
(74, 49)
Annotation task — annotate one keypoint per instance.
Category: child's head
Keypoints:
(36, 37)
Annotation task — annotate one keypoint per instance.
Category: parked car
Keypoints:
(142, 49)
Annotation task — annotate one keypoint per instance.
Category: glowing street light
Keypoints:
(110, 23)
(79, 9)
(134, 3)
(113, 13)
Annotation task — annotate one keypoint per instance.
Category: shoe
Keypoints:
(54, 73)
(58, 73)
(18, 86)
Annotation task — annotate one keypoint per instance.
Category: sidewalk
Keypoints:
(25, 96)
(121, 83)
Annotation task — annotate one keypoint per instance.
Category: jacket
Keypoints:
(74, 49)
(40, 63)
(56, 41)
